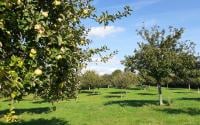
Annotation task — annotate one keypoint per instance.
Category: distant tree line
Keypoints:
(118, 79)
(125, 80)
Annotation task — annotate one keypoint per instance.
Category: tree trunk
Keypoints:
(121, 93)
(189, 86)
(76, 98)
(11, 105)
(108, 86)
(160, 94)
(89, 88)
(198, 90)
(93, 90)
(126, 91)
(35, 95)
(167, 85)
(53, 106)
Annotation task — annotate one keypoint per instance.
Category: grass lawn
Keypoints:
(137, 107)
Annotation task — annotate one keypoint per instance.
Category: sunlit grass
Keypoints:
(137, 107)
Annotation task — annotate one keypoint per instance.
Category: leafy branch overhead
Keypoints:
(42, 45)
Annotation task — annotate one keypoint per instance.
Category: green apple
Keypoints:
(85, 11)
(19, 2)
(58, 57)
(57, 2)
(45, 14)
(1, 45)
(38, 72)
(82, 42)
(33, 51)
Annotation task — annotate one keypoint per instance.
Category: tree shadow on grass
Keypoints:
(174, 88)
(133, 103)
(119, 92)
(190, 99)
(133, 89)
(86, 91)
(30, 110)
(95, 93)
(8, 100)
(53, 121)
(113, 96)
(182, 92)
(189, 111)
(39, 101)
(90, 92)
(146, 94)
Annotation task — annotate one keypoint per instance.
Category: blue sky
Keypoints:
(121, 35)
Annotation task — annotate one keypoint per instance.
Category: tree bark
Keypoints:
(189, 86)
(160, 94)
(94, 92)
(53, 106)
(121, 93)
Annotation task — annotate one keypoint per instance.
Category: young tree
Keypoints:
(90, 79)
(115, 74)
(124, 80)
(166, 81)
(106, 80)
(145, 79)
(42, 45)
(185, 68)
(198, 74)
(128, 79)
(160, 54)
(198, 84)
(194, 76)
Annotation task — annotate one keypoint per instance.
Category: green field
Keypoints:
(137, 107)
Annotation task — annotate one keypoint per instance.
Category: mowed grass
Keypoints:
(137, 107)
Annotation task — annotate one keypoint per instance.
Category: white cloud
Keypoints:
(105, 68)
(102, 69)
(104, 31)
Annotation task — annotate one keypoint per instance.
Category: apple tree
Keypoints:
(160, 54)
(44, 45)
